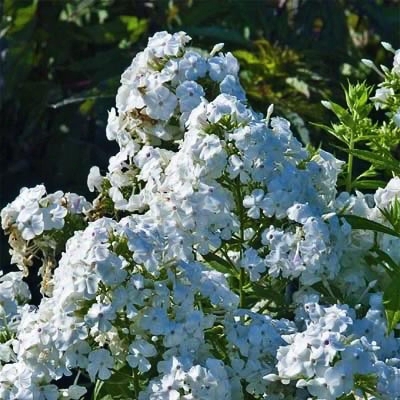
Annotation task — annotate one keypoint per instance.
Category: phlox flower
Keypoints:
(100, 316)
(337, 380)
(253, 264)
(189, 95)
(111, 270)
(163, 44)
(231, 85)
(237, 167)
(53, 216)
(254, 202)
(222, 65)
(381, 97)
(160, 103)
(74, 392)
(30, 222)
(156, 321)
(100, 364)
(76, 356)
(139, 351)
(192, 66)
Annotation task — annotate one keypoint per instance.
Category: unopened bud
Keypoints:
(326, 104)
(385, 69)
(368, 63)
(270, 110)
(387, 46)
(372, 284)
(217, 48)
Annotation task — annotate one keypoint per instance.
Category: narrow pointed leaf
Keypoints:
(391, 302)
(357, 222)
(218, 263)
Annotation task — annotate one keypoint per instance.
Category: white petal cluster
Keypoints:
(35, 221)
(387, 94)
(335, 349)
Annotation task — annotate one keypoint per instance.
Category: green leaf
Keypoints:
(218, 263)
(134, 26)
(368, 184)
(385, 162)
(391, 302)
(247, 57)
(332, 132)
(392, 214)
(22, 15)
(379, 257)
(117, 387)
(357, 222)
(341, 113)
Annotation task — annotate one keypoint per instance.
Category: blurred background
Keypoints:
(61, 60)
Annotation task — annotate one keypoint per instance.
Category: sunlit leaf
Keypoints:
(391, 301)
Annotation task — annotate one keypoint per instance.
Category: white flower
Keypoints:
(254, 202)
(209, 383)
(53, 216)
(156, 321)
(111, 269)
(100, 364)
(253, 264)
(231, 85)
(163, 44)
(77, 355)
(45, 392)
(383, 197)
(381, 97)
(396, 118)
(189, 94)
(160, 103)
(129, 98)
(339, 380)
(299, 212)
(223, 65)
(76, 204)
(192, 66)
(396, 62)
(100, 316)
(30, 222)
(94, 179)
(139, 351)
(74, 392)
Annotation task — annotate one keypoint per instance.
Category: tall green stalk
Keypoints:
(349, 177)
(242, 275)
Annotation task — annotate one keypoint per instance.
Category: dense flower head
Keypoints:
(32, 219)
(215, 263)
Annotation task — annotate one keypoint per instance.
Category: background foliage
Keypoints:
(61, 62)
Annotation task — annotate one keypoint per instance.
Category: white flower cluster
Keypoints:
(158, 93)
(336, 352)
(228, 271)
(385, 94)
(29, 219)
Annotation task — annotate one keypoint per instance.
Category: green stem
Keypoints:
(242, 275)
(241, 284)
(97, 388)
(136, 383)
(349, 178)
